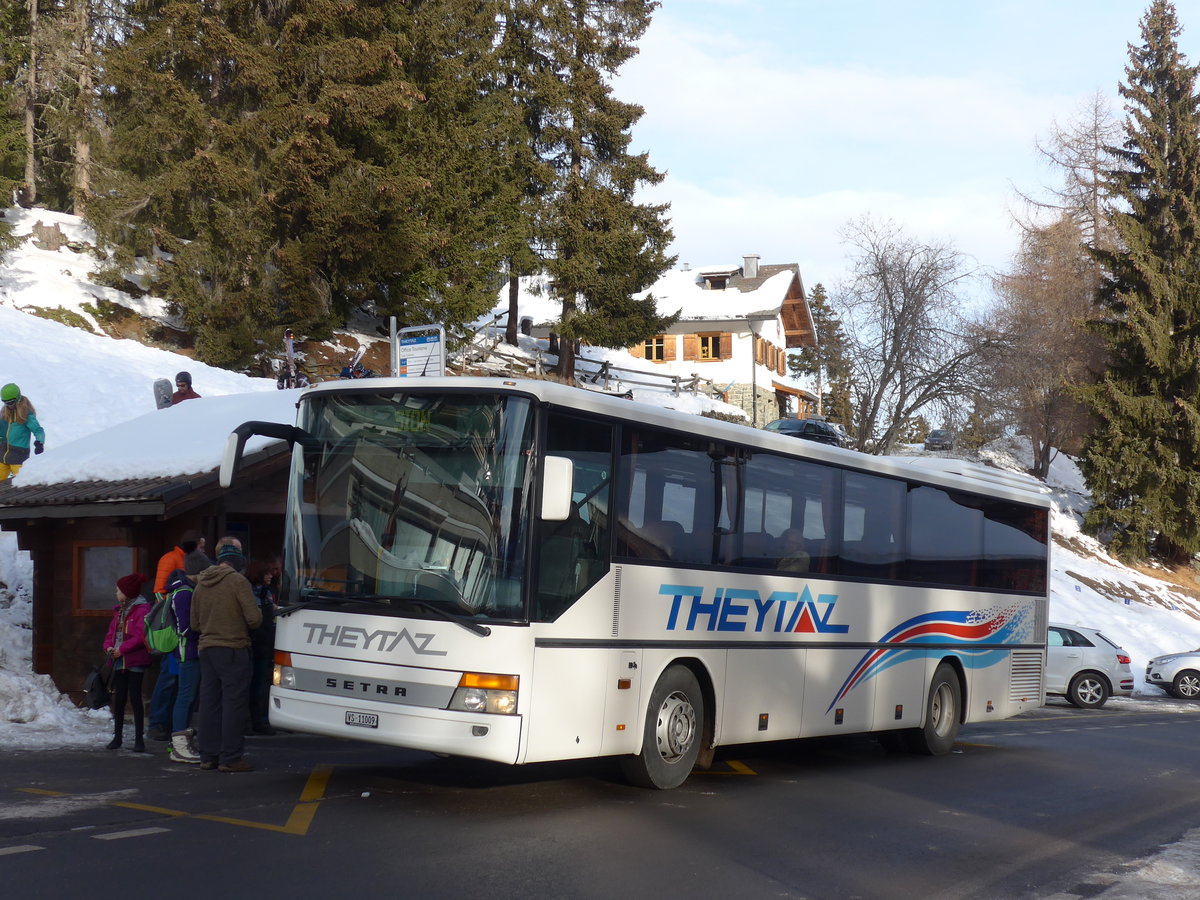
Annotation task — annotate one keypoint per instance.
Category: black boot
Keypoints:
(118, 731)
(139, 746)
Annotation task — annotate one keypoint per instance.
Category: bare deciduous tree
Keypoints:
(1079, 150)
(910, 346)
(1041, 348)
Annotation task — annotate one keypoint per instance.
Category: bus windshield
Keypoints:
(411, 503)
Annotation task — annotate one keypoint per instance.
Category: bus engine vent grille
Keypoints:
(1026, 681)
(616, 601)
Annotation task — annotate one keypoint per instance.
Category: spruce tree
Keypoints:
(285, 159)
(603, 246)
(13, 25)
(457, 142)
(1142, 460)
(827, 359)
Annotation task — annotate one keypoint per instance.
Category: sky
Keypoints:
(94, 397)
(777, 122)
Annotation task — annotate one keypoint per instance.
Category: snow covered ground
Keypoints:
(83, 384)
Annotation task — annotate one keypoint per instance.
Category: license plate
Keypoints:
(362, 720)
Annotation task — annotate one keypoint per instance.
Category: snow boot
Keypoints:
(181, 751)
(118, 732)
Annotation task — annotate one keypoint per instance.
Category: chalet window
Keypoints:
(704, 347)
(710, 346)
(717, 282)
(656, 348)
(98, 565)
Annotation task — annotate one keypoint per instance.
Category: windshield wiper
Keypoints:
(315, 595)
(481, 630)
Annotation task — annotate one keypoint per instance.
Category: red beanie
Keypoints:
(131, 585)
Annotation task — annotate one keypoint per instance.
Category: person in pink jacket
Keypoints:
(125, 645)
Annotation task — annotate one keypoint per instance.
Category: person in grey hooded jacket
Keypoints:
(223, 613)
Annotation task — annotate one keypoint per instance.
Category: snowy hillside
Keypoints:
(83, 384)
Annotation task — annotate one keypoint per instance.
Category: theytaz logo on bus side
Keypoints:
(740, 609)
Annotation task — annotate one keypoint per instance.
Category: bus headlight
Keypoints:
(481, 693)
(284, 675)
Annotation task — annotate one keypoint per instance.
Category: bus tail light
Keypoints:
(284, 675)
(479, 692)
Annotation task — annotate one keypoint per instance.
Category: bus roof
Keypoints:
(950, 473)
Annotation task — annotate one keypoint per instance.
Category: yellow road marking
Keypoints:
(298, 821)
(739, 768)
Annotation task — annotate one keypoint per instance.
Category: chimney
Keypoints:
(750, 266)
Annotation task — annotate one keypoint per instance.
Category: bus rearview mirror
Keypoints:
(558, 480)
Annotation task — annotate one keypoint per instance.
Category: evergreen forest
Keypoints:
(295, 162)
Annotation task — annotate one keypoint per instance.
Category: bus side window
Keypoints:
(873, 523)
(945, 537)
(573, 554)
(667, 511)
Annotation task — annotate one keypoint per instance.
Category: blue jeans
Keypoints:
(162, 701)
(189, 686)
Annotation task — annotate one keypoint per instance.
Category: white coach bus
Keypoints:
(523, 571)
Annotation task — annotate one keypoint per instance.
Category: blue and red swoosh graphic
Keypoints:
(973, 634)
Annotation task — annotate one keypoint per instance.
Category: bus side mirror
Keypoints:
(558, 482)
(236, 443)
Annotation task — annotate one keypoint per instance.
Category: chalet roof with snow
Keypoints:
(724, 293)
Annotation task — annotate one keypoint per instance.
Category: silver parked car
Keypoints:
(1086, 667)
(1176, 673)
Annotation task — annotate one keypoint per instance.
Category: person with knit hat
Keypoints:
(223, 612)
(18, 424)
(180, 586)
(183, 389)
(125, 645)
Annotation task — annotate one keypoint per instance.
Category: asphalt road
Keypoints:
(1028, 808)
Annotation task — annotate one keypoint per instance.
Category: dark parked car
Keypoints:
(940, 439)
(812, 430)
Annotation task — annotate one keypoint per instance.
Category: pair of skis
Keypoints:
(290, 376)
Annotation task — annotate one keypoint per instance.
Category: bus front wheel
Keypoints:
(943, 710)
(672, 736)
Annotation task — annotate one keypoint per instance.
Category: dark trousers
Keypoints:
(127, 687)
(224, 691)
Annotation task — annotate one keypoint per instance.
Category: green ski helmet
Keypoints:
(10, 392)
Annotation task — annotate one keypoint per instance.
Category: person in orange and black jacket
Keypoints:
(166, 687)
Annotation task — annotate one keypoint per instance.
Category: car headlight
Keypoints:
(481, 693)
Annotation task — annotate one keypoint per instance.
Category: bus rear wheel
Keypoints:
(943, 710)
(672, 735)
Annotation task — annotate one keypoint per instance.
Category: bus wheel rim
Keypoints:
(676, 728)
(941, 710)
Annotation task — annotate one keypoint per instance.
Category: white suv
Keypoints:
(1176, 673)
(1086, 667)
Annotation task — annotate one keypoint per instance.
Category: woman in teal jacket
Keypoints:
(18, 423)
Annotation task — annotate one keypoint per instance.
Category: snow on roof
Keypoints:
(179, 440)
(82, 383)
(685, 292)
(676, 291)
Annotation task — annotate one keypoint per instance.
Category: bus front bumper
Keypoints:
(476, 735)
